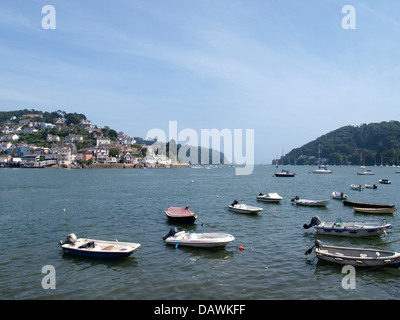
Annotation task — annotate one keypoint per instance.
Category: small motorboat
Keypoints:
(269, 197)
(371, 186)
(339, 195)
(311, 203)
(385, 181)
(200, 240)
(366, 173)
(181, 215)
(322, 169)
(366, 204)
(357, 257)
(97, 248)
(348, 229)
(357, 187)
(243, 208)
(375, 210)
(284, 173)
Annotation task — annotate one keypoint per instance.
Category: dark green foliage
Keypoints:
(373, 143)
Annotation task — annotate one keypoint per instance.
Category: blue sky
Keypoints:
(286, 69)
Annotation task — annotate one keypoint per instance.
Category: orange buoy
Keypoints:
(241, 248)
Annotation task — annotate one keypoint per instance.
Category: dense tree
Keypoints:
(368, 143)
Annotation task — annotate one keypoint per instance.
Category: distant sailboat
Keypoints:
(283, 173)
(321, 169)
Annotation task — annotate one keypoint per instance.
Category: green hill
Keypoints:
(369, 144)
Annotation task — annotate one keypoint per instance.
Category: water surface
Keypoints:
(40, 207)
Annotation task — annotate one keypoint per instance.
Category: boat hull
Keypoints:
(322, 171)
(284, 175)
(265, 199)
(275, 198)
(356, 232)
(312, 203)
(358, 257)
(375, 210)
(339, 195)
(180, 215)
(366, 204)
(96, 254)
(246, 210)
(187, 220)
(202, 240)
(99, 249)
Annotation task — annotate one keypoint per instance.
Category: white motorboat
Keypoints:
(200, 240)
(348, 229)
(244, 208)
(269, 197)
(357, 187)
(97, 248)
(322, 169)
(311, 203)
(357, 257)
(371, 186)
(339, 195)
(385, 181)
(366, 173)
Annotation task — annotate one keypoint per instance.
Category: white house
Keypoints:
(10, 137)
(100, 141)
(5, 145)
(64, 156)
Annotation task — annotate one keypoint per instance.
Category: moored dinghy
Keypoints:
(375, 210)
(366, 204)
(243, 208)
(284, 173)
(348, 229)
(200, 240)
(357, 187)
(269, 197)
(181, 215)
(357, 257)
(97, 248)
(310, 203)
(339, 195)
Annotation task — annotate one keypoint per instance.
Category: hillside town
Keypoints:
(32, 140)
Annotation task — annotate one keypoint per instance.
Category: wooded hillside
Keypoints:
(372, 144)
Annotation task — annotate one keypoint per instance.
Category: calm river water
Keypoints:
(40, 207)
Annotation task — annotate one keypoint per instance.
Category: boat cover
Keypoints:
(180, 212)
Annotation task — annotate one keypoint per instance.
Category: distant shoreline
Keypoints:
(118, 166)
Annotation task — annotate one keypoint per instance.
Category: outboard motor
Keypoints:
(317, 244)
(171, 232)
(314, 222)
(71, 238)
(234, 203)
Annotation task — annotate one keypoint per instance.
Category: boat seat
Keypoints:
(110, 247)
